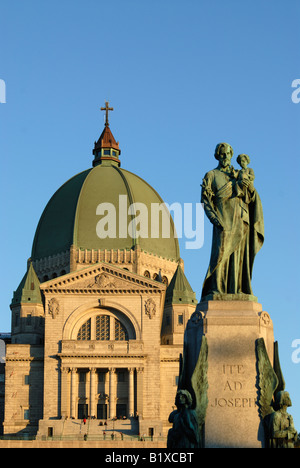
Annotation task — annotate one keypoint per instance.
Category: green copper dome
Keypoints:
(72, 214)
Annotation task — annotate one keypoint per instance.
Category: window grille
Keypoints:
(85, 331)
(120, 332)
(99, 328)
(102, 328)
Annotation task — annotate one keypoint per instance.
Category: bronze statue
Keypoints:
(185, 432)
(274, 400)
(233, 206)
(282, 431)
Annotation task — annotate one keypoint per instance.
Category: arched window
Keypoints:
(103, 328)
(85, 331)
(165, 280)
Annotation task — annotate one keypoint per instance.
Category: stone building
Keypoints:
(98, 319)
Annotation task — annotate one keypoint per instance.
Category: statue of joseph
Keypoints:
(233, 206)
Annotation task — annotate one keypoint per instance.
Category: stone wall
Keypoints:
(82, 444)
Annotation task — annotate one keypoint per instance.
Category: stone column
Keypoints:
(131, 392)
(112, 393)
(74, 392)
(65, 393)
(139, 390)
(92, 406)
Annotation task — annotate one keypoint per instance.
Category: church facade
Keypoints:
(98, 320)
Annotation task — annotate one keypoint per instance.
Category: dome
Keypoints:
(73, 213)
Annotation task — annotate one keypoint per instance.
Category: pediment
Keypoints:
(101, 279)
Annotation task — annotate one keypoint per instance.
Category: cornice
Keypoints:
(100, 356)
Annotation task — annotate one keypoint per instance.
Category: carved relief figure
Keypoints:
(104, 281)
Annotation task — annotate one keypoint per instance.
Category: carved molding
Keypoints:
(105, 281)
(150, 308)
(53, 307)
(102, 280)
(265, 319)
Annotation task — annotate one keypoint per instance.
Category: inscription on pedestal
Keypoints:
(232, 416)
(232, 387)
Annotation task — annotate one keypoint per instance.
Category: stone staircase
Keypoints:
(118, 429)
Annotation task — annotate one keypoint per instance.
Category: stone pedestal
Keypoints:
(231, 329)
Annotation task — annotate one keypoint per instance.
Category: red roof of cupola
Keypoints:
(107, 140)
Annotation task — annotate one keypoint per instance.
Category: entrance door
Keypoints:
(121, 410)
(83, 410)
(101, 411)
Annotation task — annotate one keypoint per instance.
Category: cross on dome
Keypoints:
(106, 109)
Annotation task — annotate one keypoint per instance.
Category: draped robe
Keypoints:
(240, 237)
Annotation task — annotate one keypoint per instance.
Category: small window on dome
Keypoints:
(106, 152)
(114, 153)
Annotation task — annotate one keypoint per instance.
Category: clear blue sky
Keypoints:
(181, 76)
